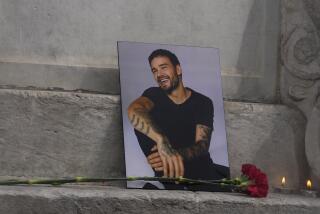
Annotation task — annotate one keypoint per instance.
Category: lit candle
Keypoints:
(283, 189)
(308, 192)
(309, 185)
(283, 181)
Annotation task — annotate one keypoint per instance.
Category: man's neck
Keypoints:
(180, 94)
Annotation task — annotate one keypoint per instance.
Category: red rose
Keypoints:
(258, 186)
(261, 179)
(257, 191)
(252, 190)
(249, 170)
(245, 168)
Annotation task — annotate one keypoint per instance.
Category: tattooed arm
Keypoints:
(201, 146)
(138, 113)
(140, 118)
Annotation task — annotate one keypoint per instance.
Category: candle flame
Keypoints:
(309, 185)
(283, 181)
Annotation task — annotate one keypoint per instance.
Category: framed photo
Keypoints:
(173, 115)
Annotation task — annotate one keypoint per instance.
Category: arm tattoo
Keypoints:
(142, 126)
(132, 119)
(137, 122)
(205, 132)
(198, 149)
(167, 147)
(147, 130)
(201, 146)
(142, 122)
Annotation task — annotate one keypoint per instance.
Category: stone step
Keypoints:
(105, 199)
(49, 134)
(106, 80)
(44, 76)
(52, 134)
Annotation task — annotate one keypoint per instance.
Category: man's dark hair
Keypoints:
(162, 52)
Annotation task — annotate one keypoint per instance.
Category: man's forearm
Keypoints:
(142, 121)
(201, 146)
(198, 149)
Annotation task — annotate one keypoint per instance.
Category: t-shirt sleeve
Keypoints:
(205, 113)
(152, 94)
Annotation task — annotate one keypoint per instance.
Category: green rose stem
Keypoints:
(252, 181)
(224, 182)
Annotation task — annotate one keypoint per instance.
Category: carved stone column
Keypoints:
(300, 70)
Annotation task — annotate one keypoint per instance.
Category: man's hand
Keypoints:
(172, 162)
(154, 160)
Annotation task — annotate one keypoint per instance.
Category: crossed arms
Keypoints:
(164, 157)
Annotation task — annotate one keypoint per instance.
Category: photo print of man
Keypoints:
(171, 96)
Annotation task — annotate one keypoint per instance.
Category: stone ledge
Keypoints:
(106, 80)
(103, 80)
(52, 134)
(105, 199)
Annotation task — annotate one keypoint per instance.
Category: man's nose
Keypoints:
(159, 73)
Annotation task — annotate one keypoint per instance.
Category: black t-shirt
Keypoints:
(178, 122)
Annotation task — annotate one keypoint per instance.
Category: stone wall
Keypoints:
(62, 134)
(300, 70)
(81, 36)
(72, 46)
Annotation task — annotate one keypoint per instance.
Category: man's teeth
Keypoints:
(163, 80)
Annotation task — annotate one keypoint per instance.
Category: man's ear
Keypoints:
(178, 69)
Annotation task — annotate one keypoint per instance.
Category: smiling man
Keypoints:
(174, 123)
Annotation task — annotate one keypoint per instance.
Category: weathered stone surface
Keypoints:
(83, 199)
(270, 136)
(300, 75)
(84, 34)
(50, 134)
(275, 203)
(24, 75)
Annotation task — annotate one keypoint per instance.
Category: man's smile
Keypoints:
(163, 80)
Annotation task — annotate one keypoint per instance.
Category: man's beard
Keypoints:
(174, 83)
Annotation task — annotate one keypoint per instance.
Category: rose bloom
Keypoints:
(258, 181)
